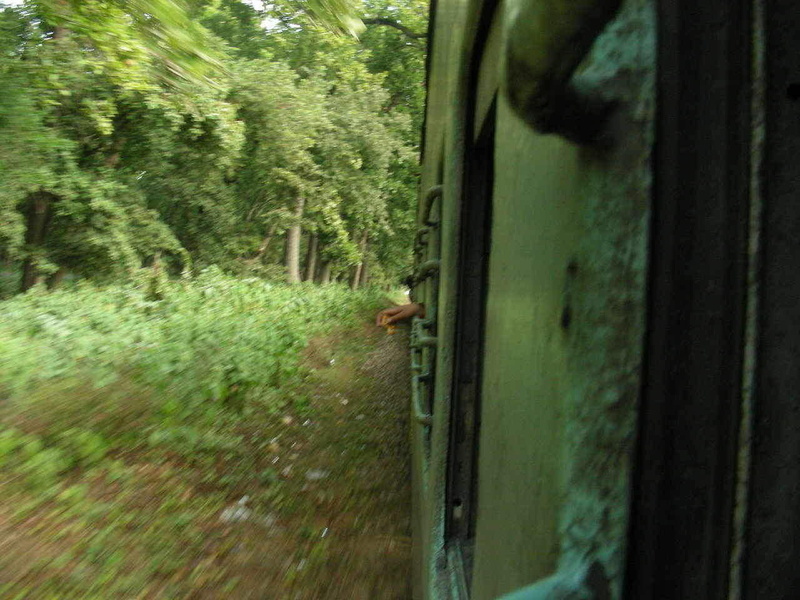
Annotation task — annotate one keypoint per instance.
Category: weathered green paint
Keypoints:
(443, 159)
(526, 378)
(564, 315)
(583, 582)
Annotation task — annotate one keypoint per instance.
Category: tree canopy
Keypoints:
(278, 141)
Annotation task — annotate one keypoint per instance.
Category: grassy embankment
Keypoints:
(128, 425)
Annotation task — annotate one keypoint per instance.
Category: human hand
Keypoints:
(389, 316)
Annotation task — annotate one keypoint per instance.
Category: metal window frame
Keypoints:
(680, 540)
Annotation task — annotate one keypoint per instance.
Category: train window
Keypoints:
(465, 417)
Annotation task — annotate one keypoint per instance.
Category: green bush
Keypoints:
(205, 340)
(88, 369)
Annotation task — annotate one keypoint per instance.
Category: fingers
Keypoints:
(401, 313)
(383, 316)
(389, 316)
(390, 320)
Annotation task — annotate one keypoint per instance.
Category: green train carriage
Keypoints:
(604, 397)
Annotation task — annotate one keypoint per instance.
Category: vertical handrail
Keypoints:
(427, 268)
(418, 374)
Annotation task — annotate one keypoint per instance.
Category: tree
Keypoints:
(137, 41)
(239, 25)
(151, 130)
(76, 205)
(283, 115)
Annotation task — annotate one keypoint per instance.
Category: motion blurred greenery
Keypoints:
(270, 142)
(201, 345)
(131, 413)
(189, 191)
(92, 368)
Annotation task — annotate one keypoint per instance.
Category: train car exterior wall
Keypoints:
(606, 386)
(563, 313)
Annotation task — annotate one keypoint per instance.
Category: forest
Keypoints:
(276, 141)
(202, 206)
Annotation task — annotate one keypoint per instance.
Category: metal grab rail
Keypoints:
(427, 341)
(419, 375)
(421, 240)
(420, 339)
(420, 416)
(427, 269)
(427, 204)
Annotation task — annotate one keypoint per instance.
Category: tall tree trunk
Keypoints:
(60, 32)
(293, 242)
(38, 216)
(364, 273)
(325, 273)
(362, 246)
(262, 249)
(112, 160)
(364, 265)
(311, 257)
(355, 275)
(54, 281)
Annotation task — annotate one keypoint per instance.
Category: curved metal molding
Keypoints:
(547, 40)
(587, 582)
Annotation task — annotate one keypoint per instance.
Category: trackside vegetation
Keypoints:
(89, 370)
(132, 416)
(211, 341)
(193, 194)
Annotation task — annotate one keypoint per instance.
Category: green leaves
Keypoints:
(206, 340)
(138, 41)
(154, 141)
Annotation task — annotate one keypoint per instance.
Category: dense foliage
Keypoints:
(267, 142)
(160, 361)
(132, 414)
(210, 341)
(181, 163)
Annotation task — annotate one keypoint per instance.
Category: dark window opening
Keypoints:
(461, 507)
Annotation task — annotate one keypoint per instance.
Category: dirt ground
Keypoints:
(350, 536)
(321, 511)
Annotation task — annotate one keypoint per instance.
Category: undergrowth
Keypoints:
(83, 368)
(97, 382)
